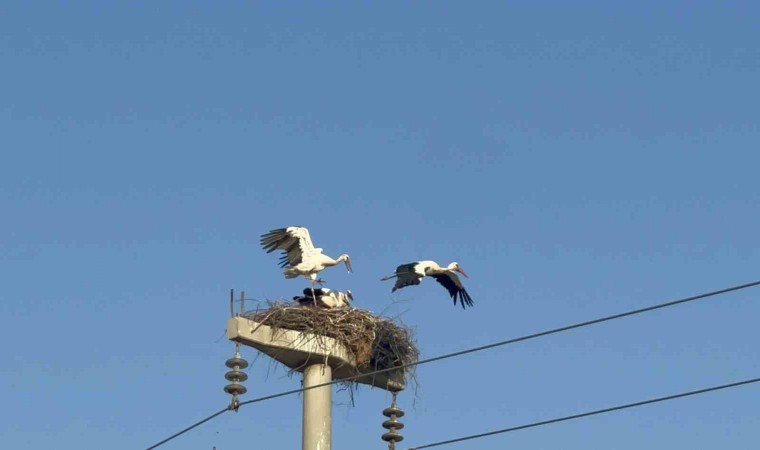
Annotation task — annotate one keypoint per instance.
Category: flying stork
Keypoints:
(412, 274)
(300, 257)
(326, 298)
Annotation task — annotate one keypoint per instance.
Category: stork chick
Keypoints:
(326, 298)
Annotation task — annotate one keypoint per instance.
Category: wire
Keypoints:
(591, 413)
(189, 428)
(477, 349)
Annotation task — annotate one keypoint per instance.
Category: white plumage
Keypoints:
(412, 274)
(300, 257)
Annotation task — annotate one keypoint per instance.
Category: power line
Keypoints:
(477, 349)
(591, 413)
(196, 424)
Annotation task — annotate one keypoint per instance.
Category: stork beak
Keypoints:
(350, 296)
(462, 272)
(348, 266)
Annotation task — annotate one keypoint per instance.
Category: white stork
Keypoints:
(300, 257)
(412, 274)
(326, 298)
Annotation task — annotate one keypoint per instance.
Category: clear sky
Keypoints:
(577, 159)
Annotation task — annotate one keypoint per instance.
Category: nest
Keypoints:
(373, 342)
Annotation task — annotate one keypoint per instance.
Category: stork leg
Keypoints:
(314, 283)
(313, 295)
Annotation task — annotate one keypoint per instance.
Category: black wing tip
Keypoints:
(273, 235)
(274, 231)
(464, 299)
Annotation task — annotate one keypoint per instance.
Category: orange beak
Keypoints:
(462, 272)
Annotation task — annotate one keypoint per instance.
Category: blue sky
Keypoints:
(578, 159)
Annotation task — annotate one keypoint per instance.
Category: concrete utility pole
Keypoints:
(320, 359)
(317, 408)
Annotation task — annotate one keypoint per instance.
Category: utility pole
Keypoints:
(317, 408)
(321, 359)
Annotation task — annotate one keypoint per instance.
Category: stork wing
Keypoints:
(452, 284)
(317, 292)
(406, 276)
(307, 298)
(295, 242)
(303, 300)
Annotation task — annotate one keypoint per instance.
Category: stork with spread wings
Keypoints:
(300, 257)
(412, 274)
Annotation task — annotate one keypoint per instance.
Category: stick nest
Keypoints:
(374, 342)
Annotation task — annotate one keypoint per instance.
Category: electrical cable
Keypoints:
(477, 349)
(196, 424)
(591, 413)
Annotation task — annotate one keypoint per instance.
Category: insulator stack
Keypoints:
(235, 377)
(393, 413)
